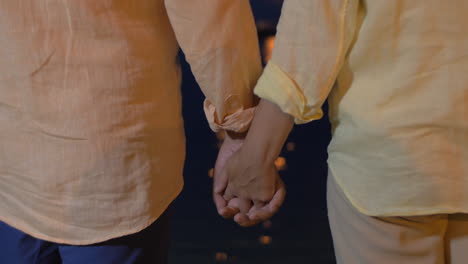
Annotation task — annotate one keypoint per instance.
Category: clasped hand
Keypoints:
(247, 186)
(246, 189)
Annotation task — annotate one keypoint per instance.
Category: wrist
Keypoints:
(268, 133)
(235, 135)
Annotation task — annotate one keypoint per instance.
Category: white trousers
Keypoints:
(362, 239)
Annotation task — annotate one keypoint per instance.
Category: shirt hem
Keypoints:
(392, 213)
(105, 238)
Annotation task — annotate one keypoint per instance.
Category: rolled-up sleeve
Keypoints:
(220, 43)
(311, 45)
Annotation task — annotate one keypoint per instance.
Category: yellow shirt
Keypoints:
(399, 106)
(91, 133)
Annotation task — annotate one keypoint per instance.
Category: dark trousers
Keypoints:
(149, 246)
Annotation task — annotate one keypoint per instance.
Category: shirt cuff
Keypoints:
(277, 87)
(238, 121)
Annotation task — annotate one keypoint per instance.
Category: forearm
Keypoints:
(307, 60)
(220, 43)
(268, 132)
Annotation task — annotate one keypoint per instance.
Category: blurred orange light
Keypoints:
(291, 146)
(265, 240)
(268, 47)
(221, 257)
(280, 163)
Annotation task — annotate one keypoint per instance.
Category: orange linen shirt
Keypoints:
(91, 132)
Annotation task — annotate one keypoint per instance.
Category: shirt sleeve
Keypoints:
(311, 45)
(220, 43)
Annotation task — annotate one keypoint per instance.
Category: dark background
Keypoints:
(299, 233)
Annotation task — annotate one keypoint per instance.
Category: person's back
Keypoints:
(395, 74)
(82, 88)
(399, 109)
(91, 133)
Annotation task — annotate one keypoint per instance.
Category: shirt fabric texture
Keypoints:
(91, 134)
(395, 74)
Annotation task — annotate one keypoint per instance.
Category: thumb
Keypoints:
(220, 181)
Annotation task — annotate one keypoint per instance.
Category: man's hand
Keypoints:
(256, 188)
(248, 185)
(231, 144)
